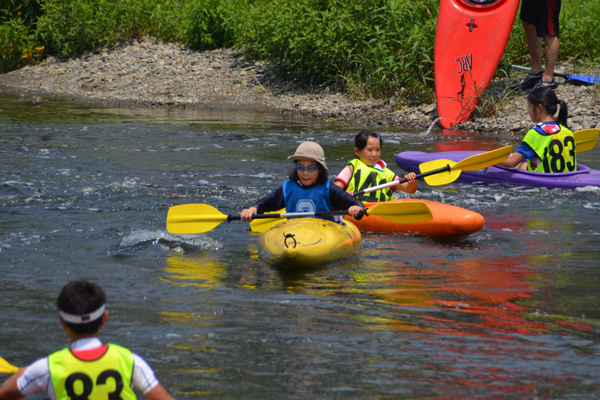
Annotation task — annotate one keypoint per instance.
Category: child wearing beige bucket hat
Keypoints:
(309, 188)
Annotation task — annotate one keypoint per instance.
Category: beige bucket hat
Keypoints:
(310, 151)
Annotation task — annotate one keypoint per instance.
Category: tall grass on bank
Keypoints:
(19, 45)
(377, 46)
(370, 47)
(70, 27)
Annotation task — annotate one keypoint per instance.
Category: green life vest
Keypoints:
(364, 177)
(556, 152)
(106, 378)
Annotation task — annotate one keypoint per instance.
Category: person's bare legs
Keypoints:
(534, 43)
(551, 44)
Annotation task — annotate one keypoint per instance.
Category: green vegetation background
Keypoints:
(370, 47)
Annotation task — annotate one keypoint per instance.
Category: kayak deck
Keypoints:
(304, 242)
(448, 223)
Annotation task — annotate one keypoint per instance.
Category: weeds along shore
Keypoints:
(355, 62)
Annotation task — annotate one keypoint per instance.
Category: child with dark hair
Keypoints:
(309, 188)
(549, 146)
(368, 170)
(88, 369)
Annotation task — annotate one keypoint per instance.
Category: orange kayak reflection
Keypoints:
(483, 297)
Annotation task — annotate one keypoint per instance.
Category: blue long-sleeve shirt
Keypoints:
(339, 199)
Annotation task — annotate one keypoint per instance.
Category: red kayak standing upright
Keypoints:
(469, 41)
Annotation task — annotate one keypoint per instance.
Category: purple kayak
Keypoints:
(584, 176)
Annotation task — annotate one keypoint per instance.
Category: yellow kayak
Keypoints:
(303, 242)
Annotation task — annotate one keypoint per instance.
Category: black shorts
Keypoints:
(543, 14)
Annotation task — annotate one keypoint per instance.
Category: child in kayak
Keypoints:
(368, 170)
(549, 146)
(309, 188)
(88, 369)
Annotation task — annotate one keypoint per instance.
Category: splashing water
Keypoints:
(431, 126)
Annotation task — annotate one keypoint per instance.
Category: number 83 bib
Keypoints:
(556, 151)
(106, 377)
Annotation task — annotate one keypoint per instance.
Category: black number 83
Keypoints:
(554, 160)
(88, 385)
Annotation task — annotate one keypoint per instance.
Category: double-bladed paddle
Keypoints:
(478, 161)
(586, 139)
(199, 218)
(589, 79)
(473, 163)
(6, 368)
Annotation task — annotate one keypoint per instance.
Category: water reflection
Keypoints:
(462, 141)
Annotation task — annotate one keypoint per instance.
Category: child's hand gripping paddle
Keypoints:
(199, 218)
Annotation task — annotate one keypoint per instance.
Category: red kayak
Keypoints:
(469, 42)
(448, 223)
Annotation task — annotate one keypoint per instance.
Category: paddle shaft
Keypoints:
(294, 215)
(589, 79)
(529, 70)
(403, 180)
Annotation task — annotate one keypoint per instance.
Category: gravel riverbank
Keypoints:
(150, 74)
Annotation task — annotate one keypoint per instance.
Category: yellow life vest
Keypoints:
(556, 151)
(107, 377)
(364, 177)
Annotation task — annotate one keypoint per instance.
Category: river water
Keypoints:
(512, 311)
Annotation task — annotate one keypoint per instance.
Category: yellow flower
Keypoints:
(19, 13)
(39, 48)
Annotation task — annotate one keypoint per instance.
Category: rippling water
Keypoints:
(512, 311)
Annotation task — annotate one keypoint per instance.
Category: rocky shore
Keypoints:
(150, 74)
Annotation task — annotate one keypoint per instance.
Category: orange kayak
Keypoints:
(448, 223)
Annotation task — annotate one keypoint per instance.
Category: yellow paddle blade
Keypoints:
(484, 160)
(402, 213)
(442, 178)
(586, 139)
(193, 218)
(473, 163)
(261, 225)
(6, 368)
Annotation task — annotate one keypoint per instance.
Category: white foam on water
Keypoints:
(14, 183)
(592, 206)
(588, 189)
(143, 236)
(499, 197)
(128, 183)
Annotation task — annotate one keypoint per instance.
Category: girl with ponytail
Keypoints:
(549, 146)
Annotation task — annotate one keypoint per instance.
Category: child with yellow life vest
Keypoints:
(549, 146)
(88, 369)
(368, 170)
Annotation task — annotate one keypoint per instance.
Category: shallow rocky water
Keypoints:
(508, 312)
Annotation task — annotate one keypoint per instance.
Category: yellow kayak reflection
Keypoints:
(204, 270)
